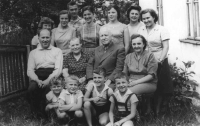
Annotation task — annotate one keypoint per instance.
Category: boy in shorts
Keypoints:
(56, 86)
(71, 99)
(97, 98)
(123, 103)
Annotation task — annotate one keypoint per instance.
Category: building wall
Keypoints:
(175, 20)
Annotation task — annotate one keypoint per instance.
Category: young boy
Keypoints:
(56, 85)
(71, 99)
(97, 98)
(123, 103)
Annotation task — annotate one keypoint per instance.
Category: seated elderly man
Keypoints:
(44, 63)
(109, 56)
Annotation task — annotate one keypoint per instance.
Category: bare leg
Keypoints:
(128, 123)
(88, 110)
(103, 119)
(143, 88)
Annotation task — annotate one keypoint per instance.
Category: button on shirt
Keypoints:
(70, 98)
(45, 58)
(138, 68)
(123, 98)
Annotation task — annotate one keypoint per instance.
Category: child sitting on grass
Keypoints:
(123, 103)
(56, 86)
(97, 98)
(71, 99)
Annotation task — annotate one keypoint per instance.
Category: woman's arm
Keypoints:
(78, 105)
(142, 80)
(131, 115)
(164, 51)
(126, 40)
(111, 115)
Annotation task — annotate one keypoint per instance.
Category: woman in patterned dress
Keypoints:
(89, 32)
(75, 62)
(119, 31)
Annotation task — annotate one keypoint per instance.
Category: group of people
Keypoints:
(103, 68)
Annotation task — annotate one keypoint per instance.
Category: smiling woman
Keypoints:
(63, 34)
(89, 32)
(75, 62)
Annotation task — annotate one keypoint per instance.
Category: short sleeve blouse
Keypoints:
(62, 37)
(117, 32)
(138, 68)
(89, 36)
(155, 38)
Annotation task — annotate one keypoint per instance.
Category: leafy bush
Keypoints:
(184, 87)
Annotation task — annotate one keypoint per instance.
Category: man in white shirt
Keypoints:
(44, 63)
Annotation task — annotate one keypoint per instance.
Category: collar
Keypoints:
(128, 92)
(67, 92)
(107, 47)
(39, 47)
(144, 51)
(74, 21)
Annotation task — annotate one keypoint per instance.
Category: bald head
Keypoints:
(105, 36)
(44, 37)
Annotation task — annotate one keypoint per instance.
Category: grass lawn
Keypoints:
(15, 112)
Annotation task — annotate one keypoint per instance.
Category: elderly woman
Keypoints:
(158, 43)
(45, 23)
(63, 34)
(89, 33)
(75, 62)
(119, 31)
(141, 66)
(133, 14)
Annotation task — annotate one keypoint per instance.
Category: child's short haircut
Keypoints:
(72, 78)
(121, 75)
(100, 71)
(56, 81)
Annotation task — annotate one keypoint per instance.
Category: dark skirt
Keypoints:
(164, 85)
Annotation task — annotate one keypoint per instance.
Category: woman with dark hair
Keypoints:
(63, 34)
(45, 23)
(141, 67)
(133, 14)
(89, 32)
(119, 31)
(158, 43)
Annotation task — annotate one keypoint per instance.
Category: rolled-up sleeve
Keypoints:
(58, 65)
(152, 65)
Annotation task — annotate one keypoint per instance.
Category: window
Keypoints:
(193, 19)
(160, 12)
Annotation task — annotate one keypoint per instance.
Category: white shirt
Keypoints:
(45, 58)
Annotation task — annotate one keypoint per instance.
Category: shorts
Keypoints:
(101, 109)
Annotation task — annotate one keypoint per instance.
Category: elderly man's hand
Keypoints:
(39, 83)
(45, 83)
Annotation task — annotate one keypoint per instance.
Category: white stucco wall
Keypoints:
(175, 20)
